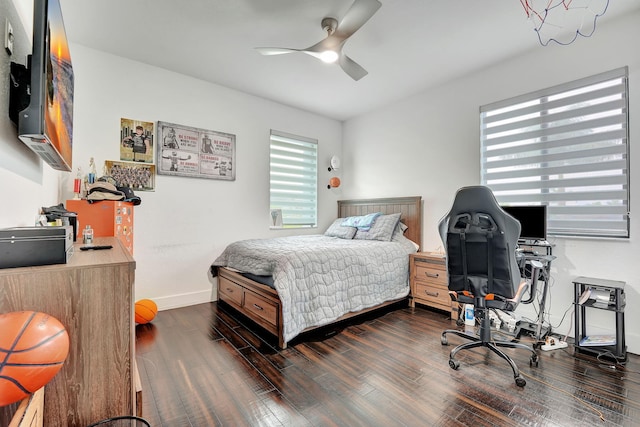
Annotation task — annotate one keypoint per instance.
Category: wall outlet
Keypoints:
(8, 37)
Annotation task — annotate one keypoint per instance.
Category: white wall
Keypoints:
(429, 145)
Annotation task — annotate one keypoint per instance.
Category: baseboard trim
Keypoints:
(184, 300)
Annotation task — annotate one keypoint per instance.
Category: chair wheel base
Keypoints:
(444, 340)
(520, 382)
(533, 361)
(454, 364)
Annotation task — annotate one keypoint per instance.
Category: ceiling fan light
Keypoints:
(329, 56)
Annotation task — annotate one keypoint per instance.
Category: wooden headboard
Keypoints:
(409, 207)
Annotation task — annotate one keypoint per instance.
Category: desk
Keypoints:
(531, 252)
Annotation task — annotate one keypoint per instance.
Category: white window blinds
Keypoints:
(565, 147)
(294, 178)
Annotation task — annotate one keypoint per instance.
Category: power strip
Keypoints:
(553, 344)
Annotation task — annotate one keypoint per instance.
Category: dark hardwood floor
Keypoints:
(204, 366)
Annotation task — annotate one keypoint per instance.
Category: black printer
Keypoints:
(30, 246)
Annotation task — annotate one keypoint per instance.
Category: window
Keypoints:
(294, 179)
(565, 147)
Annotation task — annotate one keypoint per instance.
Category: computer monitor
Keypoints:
(533, 221)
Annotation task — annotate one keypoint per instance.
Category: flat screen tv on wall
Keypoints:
(45, 113)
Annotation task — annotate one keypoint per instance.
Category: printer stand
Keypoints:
(604, 295)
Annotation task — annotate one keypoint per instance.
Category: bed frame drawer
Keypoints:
(261, 308)
(255, 300)
(230, 291)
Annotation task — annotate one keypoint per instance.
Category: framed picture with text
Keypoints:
(194, 152)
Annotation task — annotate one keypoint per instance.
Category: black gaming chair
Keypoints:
(480, 241)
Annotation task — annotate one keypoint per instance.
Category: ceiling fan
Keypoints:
(330, 49)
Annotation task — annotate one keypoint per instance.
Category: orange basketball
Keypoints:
(146, 311)
(33, 347)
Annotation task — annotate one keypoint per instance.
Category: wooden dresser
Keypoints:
(429, 284)
(92, 295)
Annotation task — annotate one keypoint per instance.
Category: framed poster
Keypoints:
(197, 153)
(136, 141)
(137, 176)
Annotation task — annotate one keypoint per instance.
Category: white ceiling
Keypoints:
(407, 46)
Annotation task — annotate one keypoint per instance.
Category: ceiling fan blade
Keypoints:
(275, 50)
(329, 43)
(357, 15)
(352, 68)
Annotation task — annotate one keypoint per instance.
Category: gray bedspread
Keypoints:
(320, 278)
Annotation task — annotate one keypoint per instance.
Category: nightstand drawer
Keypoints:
(433, 293)
(432, 273)
(429, 283)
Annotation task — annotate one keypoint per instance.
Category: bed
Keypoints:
(291, 285)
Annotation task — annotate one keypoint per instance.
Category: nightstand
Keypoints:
(429, 284)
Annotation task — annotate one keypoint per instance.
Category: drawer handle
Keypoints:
(434, 275)
(432, 294)
(230, 290)
(257, 307)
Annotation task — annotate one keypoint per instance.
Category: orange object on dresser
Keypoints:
(107, 218)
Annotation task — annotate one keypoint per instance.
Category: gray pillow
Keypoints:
(382, 229)
(399, 237)
(337, 230)
(398, 232)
